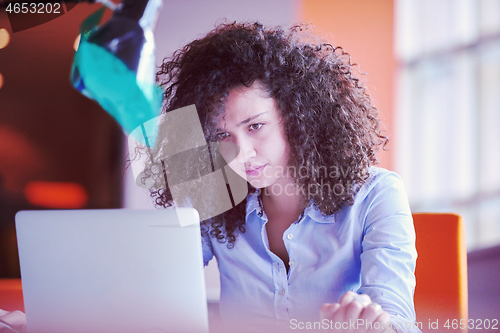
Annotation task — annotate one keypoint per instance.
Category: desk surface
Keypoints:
(11, 298)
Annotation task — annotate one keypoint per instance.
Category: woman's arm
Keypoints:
(387, 256)
(388, 252)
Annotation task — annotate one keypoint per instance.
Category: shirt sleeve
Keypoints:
(388, 252)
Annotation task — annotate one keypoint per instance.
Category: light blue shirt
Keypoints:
(368, 248)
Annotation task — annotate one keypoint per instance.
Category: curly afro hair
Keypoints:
(329, 120)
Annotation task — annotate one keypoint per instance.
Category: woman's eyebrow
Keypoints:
(246, 121)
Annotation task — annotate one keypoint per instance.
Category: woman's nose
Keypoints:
(247, 150)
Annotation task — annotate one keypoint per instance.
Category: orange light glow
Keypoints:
(12, 295)
(56, 195)
(77, 42)
(1, 80)
(4, 38)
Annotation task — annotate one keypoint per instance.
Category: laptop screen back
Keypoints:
(112, 271)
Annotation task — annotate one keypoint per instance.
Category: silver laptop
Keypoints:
(112, 271)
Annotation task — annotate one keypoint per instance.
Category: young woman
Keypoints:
(324, 240)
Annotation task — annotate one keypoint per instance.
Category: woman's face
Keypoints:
(253, 122)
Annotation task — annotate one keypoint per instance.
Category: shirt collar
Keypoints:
(254, 204)
(315, 214)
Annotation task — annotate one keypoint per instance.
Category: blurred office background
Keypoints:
(433, 70)
(447, 125)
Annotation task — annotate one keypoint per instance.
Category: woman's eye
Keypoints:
(256, 126)
(221, 136)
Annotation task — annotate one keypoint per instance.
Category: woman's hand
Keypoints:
(14, 322)
(356, 314)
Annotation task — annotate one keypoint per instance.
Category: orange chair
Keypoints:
(441, 272)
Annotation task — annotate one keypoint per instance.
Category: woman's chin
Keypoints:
(258, 183)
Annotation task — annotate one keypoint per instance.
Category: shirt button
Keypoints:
(291, 263)
(289, 236)
(282, 292)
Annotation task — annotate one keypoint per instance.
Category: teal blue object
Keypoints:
(106, 69)
(115, 87)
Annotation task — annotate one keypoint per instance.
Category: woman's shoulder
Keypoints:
(382, 191)
(379, 179)
(382, 188)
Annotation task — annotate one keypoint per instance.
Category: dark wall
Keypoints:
(48, 130)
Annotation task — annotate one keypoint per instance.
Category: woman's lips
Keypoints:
(255, 171)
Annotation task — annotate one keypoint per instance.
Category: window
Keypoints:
(448, 110)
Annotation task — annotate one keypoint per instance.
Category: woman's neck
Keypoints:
(283, 201)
